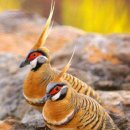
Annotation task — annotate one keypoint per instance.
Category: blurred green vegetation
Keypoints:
(9, 4)
(102, 16)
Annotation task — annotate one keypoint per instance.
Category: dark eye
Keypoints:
(34, 54)
(57, 88)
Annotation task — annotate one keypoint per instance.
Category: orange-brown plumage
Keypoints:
(66, 109)
(89, 115)
(42, 73)
(42, 39)
(34, 85)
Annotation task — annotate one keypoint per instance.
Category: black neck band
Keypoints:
(37, 67)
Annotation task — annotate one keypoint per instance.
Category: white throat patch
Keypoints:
(33, 63)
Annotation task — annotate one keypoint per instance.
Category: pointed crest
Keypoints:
(65, 69)
(42, 39)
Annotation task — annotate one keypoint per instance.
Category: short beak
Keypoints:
(24, 63)
(45, 98)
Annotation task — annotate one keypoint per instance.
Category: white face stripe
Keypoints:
(39, 59)
(33, 63)
(56, 96)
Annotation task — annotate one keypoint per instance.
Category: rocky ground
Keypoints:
(101, 61)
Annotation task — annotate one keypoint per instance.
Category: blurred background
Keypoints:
(99, 29)
(102, 16)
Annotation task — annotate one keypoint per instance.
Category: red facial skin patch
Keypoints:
(55, 90)
(33, 55)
